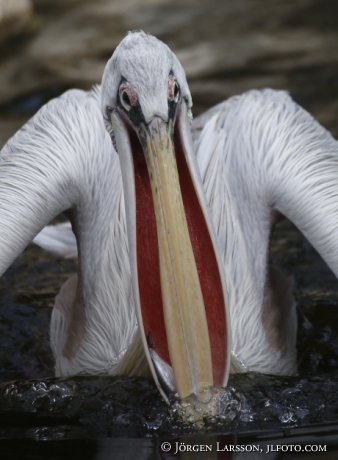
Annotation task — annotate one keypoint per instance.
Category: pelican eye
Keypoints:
(125, 100)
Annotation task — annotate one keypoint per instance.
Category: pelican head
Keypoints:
(178, 283)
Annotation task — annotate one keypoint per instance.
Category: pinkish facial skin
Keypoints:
(171, 87)
(130, 92)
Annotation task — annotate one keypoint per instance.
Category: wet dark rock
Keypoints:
(87, 406)
(132, 407)
(254, 402)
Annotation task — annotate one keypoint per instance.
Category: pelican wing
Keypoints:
(63, 160)
(59, 240)
(275, 155)
(261, 154)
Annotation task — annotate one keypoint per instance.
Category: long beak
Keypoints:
(183, 304)
(177, 278)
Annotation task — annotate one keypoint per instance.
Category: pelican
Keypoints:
(172, 220)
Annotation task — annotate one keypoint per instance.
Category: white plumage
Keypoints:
(58, 239)
(259, 154)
